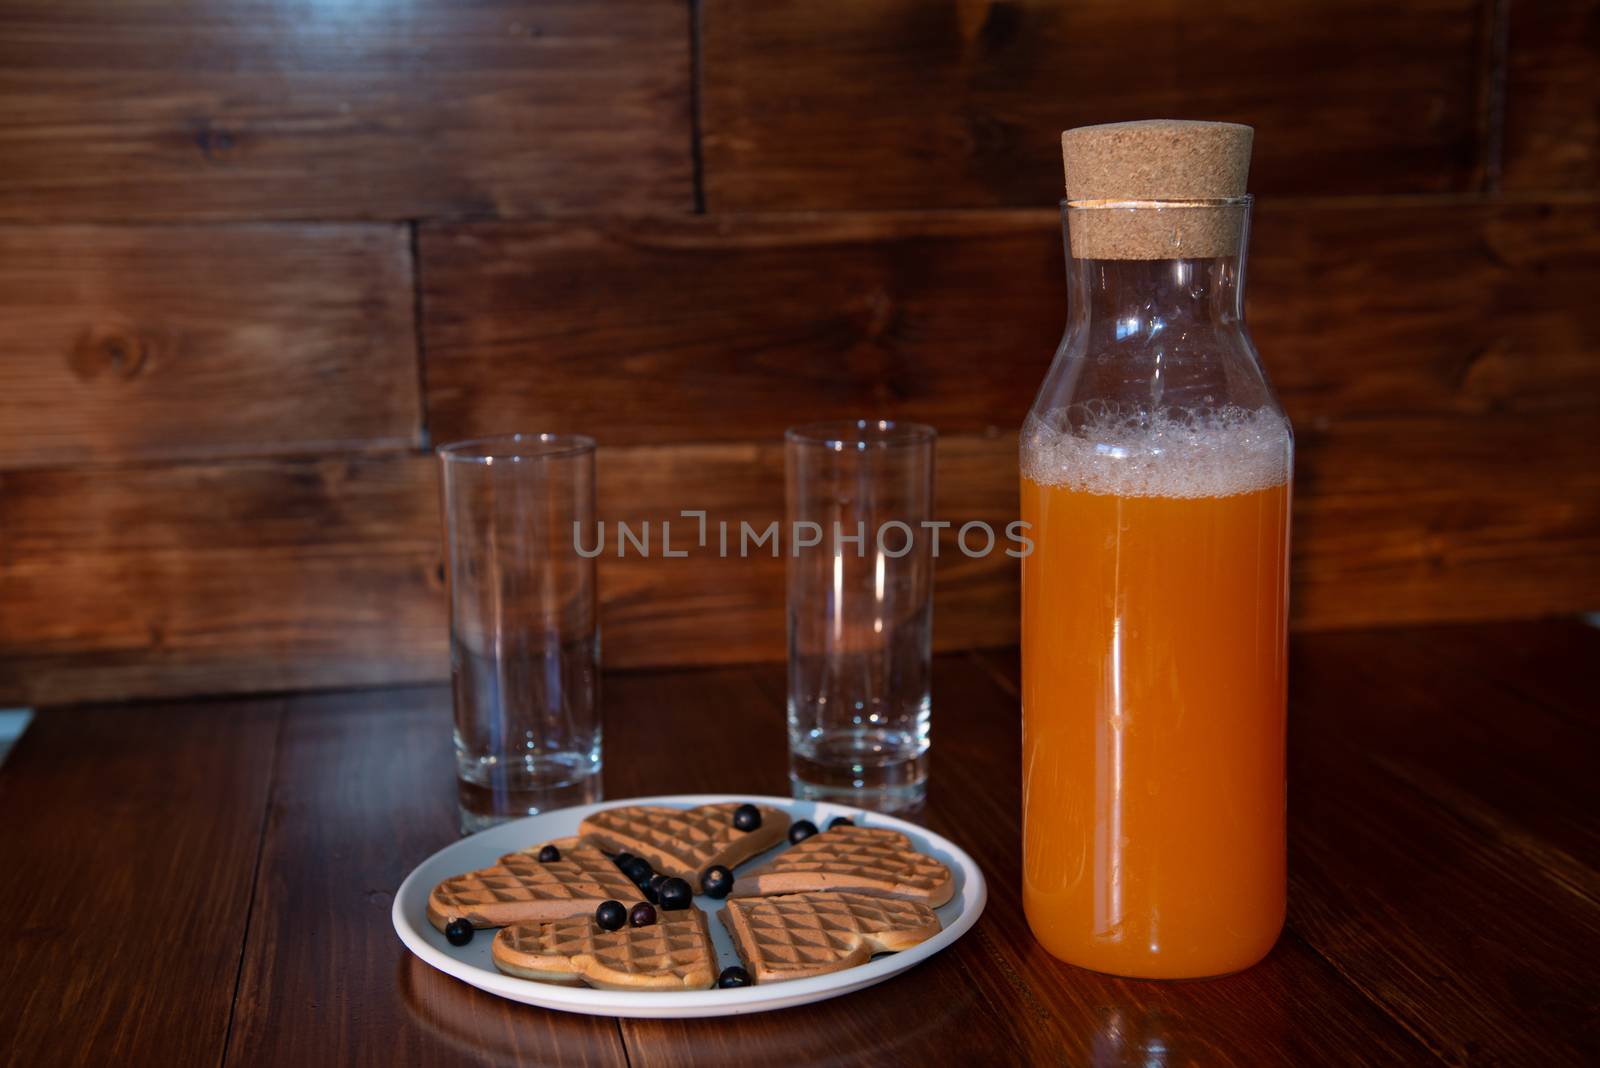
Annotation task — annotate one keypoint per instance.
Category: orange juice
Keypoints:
(1154, 634)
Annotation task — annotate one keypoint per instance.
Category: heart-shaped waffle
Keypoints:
(522, 887)
(800, 935)
(683, 842)
(674, 953)
(865, 860)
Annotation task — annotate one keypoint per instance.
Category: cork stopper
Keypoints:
(1185, 166)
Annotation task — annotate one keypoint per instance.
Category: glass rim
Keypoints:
(837, 434)
(1157, 203)
(515, 448)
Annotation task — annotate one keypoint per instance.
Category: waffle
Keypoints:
(801, 935)
(865, 860)
(674, 953)
(683, 842)
(522, 888)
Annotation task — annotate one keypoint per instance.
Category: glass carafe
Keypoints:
(1156, 469)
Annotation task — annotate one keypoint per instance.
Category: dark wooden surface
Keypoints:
(142, 342)
(211, 109)
(918, 105)
(287, 573)
(210, 882)
(1361, 314)
(945, 319)
(1552, 121)
(313, 572)
(123, 935)
(1443, 393)
(256, 256)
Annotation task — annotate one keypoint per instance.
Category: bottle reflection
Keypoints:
(1127, 1037)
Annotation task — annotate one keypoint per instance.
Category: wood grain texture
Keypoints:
(1532, 777)
(1444, 519)
(363, 792)
(1360, 312)
(1437, 788)
(1438, 852)
(1292, 1008)
(646, 331)
(1435, 359)
(710, 608)
(132, 343)
(1425, 354)
(130, 852)
(1442, 909)
(1440, 371)
(305, 574)
(1532, 662)
(906, 104)
(1552, 121)
(212, 577)
(995, 988)
(1471, 309)
(272, 109)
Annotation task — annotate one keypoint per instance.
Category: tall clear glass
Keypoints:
(860, 611)
(524, 627)
(1155, 477)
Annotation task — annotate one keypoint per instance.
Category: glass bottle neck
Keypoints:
(1142, 297)
(1201, 285)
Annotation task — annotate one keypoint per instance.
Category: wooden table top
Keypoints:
(209, 882)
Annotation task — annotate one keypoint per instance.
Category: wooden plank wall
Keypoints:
(256, 257)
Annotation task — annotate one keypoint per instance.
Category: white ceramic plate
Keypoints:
(471, 963)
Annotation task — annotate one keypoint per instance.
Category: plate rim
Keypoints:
(972, 895)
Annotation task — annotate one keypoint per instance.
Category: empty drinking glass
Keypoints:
(860, 611)
(524, 630)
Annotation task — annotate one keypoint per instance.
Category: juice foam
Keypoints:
(1217, 452)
